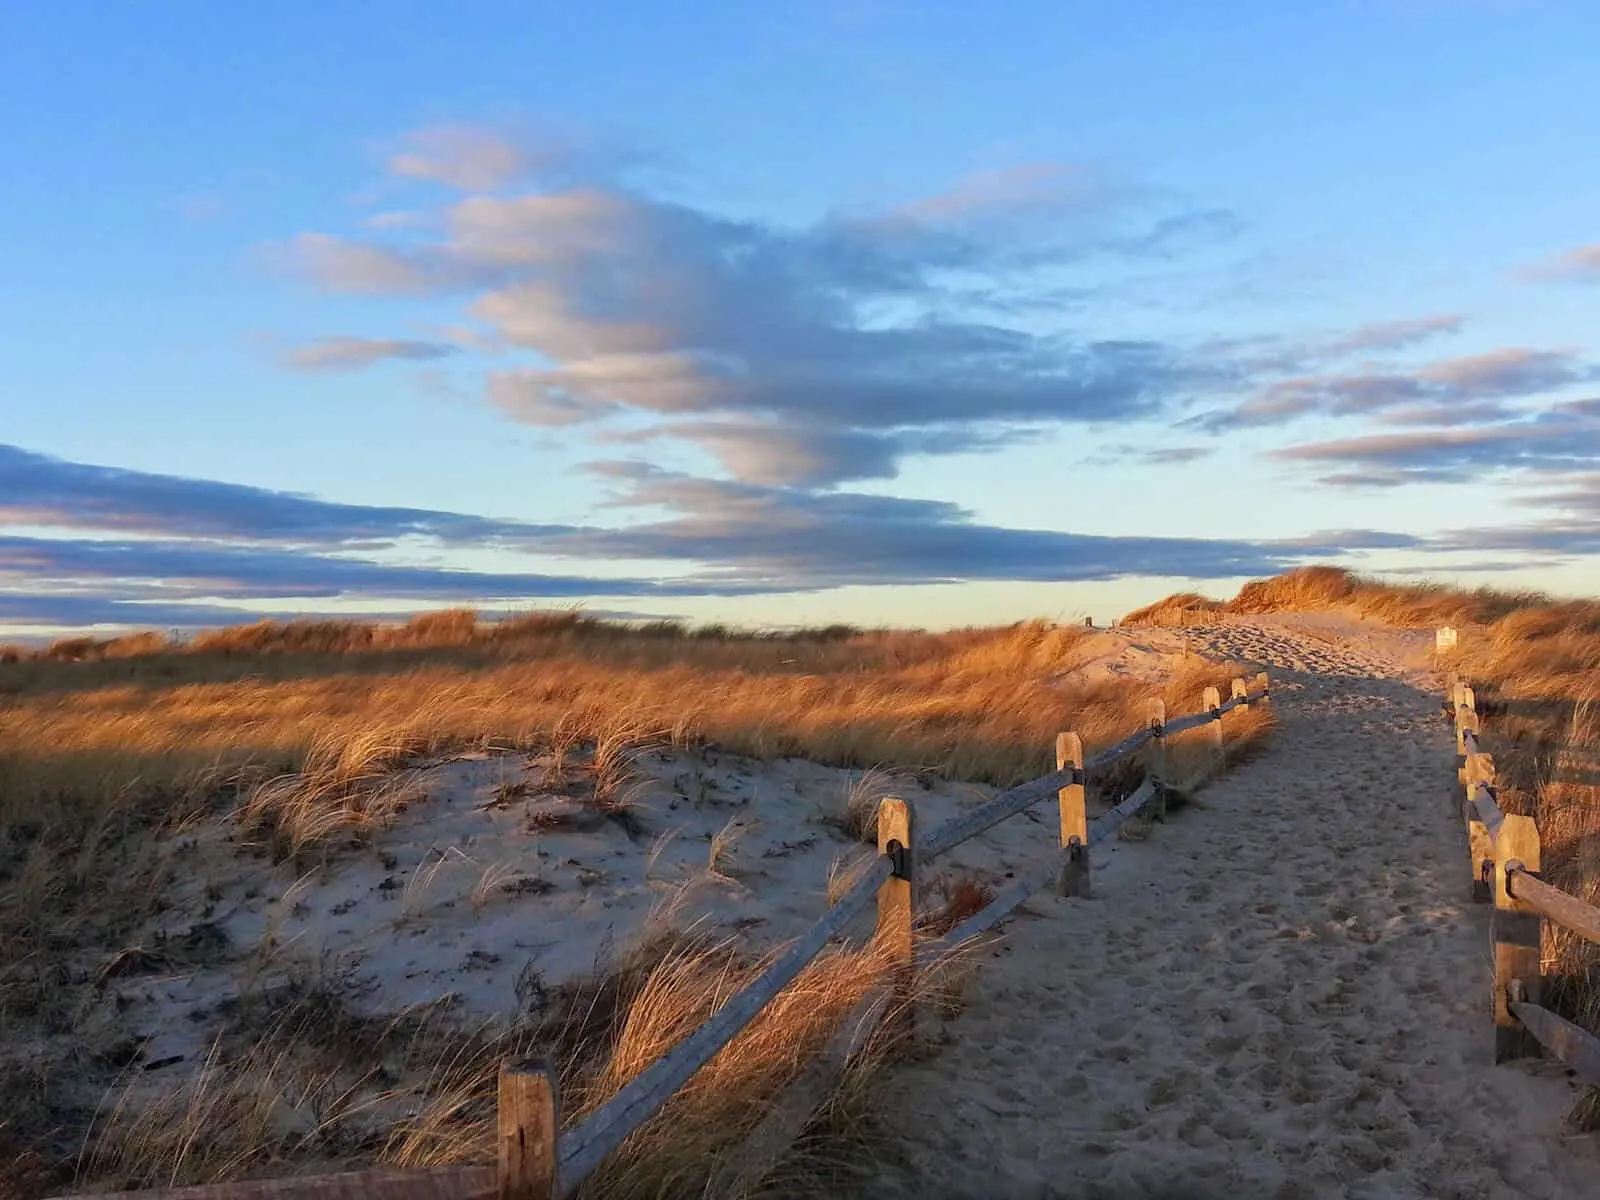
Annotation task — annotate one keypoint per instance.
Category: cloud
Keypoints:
(212, 544)
(1395, 335)
(1158, 456)
(1581, 264)
(208, 570)
(1562, 438)
(1446, 391)
(136, 609)
(787, 455)
(1562, 538)
(395, 219)
(1254, 357)
(1007, 191)
(350, 353)
(38, 490)
(1175, 455)
(853, 339)
(471, 158)
(361, 269)
(228, 540)
(777, 537)
(461, 156)
(1172, 235)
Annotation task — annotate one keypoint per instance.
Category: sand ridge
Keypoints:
(1282, 993)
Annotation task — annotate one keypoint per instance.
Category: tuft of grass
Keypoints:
(960, 897)
(346, 786)
(719, 857)
(856, 815)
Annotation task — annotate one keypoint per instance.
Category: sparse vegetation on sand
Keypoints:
(1535, 664)
(115, 755)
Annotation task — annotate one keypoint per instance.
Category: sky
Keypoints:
(879, 312)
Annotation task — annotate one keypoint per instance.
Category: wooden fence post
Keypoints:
(1516, 926)
(1241, 693)
(1480, 847)
(1156, 757)
(897, 903)
(530, 1122)
(1264, 685)
(1074, 878)
(1211, 701)
(1466, 722)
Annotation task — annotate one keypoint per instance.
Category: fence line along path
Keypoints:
(1283, 994)
(1503, 859)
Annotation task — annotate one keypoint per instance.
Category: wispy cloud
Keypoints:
(461, 156)
(472, 158)
(1158, 456)
(771, 534)
(38, 490)
(1561, 438)
(1395, 335)
(213, 571)
(1581, 264)
(352, 353)
(1442, 392)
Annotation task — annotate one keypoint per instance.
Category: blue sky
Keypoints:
(879, 312)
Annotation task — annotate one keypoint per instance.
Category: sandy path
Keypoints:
(1279, 994)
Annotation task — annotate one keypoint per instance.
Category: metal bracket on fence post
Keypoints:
(899, 861)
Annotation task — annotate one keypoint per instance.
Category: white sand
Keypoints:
(1283, 993)
(399, 924)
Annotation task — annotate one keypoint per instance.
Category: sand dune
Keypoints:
(1283, 993)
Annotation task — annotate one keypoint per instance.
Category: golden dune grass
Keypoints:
(975, 705)
(303, 734)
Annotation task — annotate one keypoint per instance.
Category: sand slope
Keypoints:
(1281, 994)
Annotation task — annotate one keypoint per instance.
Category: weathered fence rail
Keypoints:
(1504, 853)
(538, 1161)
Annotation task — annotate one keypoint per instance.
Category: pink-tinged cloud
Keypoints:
(461, 156)
(352, 353)
(1581, 264)
(1009, 189)
(1395, 335)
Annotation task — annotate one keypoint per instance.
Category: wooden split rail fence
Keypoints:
(1504, 849)
(540, 1161)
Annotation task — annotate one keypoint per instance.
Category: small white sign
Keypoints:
(1445, 639)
